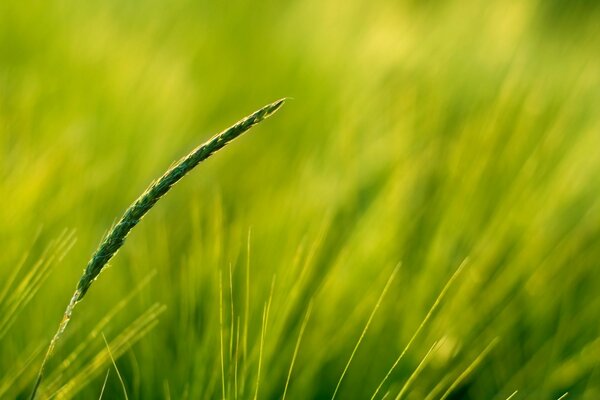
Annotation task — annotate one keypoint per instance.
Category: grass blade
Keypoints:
(362, 335)
(115, 238)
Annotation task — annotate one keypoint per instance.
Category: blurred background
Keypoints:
(428, 133)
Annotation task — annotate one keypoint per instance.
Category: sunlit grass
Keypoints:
(426, 133)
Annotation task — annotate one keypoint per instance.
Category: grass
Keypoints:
(424, 133)
(132, 216)
(364, 331)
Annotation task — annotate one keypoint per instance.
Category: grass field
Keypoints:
(421, 220)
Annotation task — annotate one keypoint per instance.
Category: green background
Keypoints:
(420, 132)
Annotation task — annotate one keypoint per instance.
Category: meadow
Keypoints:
(420, 220)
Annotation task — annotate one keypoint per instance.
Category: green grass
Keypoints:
(117, 235)
(422, 133)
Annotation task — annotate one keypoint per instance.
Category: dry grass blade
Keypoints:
(116, 236)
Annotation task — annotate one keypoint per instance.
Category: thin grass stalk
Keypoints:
(115, 238)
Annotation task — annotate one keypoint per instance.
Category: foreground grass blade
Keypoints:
(132, 216)
(366, 328)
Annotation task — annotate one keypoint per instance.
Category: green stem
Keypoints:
(116, 237)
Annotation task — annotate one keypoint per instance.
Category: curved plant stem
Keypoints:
(132, 216)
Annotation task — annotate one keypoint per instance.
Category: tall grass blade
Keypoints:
(434, 307)
(112, 359)
(302, 328)
(104, 385)
(116, 236)
(470, 369)
(362, 335)
(416, 372)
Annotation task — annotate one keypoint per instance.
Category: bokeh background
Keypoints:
(424, 133)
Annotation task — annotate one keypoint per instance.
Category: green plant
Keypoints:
(116, 236)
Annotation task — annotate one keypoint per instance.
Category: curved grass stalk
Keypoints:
(116, 236)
